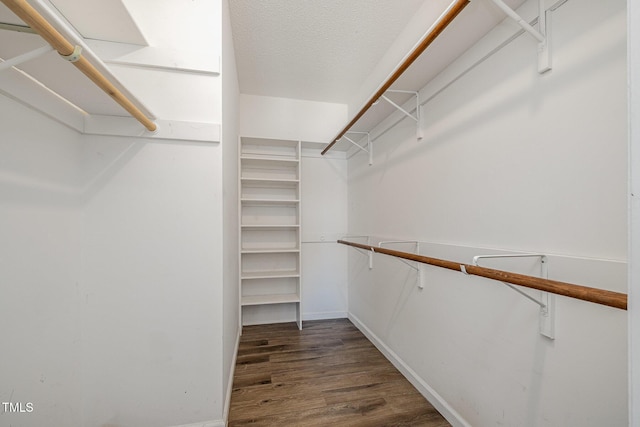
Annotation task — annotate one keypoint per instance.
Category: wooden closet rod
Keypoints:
(31, 17)
(444, 21)
(598, 296)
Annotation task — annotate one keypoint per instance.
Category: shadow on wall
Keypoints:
(72, 181)
(68, 179)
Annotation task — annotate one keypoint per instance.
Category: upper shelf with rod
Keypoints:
(47, 64)
(73, 52)
(454, 9)
(419, 67)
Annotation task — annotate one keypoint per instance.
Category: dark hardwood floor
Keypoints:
(328, 374)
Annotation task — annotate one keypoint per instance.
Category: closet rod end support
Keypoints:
(152, 128)
(75, 55)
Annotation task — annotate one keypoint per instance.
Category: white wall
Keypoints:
(39, 258)
(231, 291)
(151, 286)
(294, 119)
(634, 211)
(324, 220)
(520, 162)
(153, 248)
(112, 258)
(185, 28)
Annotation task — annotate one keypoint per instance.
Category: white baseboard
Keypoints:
(325, 315)
(429, 393)
(212, 423)
(232, 371)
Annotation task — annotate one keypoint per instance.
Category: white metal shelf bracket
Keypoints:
(12, 62)
(369, 148)
(367, 253)
(371, 258)
(419, 278)
(416, 118)
(547, 301)
(542, 35)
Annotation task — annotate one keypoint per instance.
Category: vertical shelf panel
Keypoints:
(270, 231)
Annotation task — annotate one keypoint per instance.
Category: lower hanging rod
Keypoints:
(598, 296)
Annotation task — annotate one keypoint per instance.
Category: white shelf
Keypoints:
(270, 251)
(270, 231)
(270, 275)
(280, 160)
(269, 226)
(268, 163)
(258, 264)
(269, 202)
(270, 299)
(269, 180)
(266, 175)
(268, 189)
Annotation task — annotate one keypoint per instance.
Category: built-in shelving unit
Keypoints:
(270, 235)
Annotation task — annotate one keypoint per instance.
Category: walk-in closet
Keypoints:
(309, 213)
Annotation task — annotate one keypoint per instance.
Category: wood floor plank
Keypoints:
(337, 375)
(366, 391)
(326, 374)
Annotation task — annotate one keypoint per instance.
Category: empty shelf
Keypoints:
(270, 274)
(270, 299)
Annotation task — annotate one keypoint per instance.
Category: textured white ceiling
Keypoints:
(312, 49)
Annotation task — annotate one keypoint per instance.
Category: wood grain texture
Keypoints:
(329, 373)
